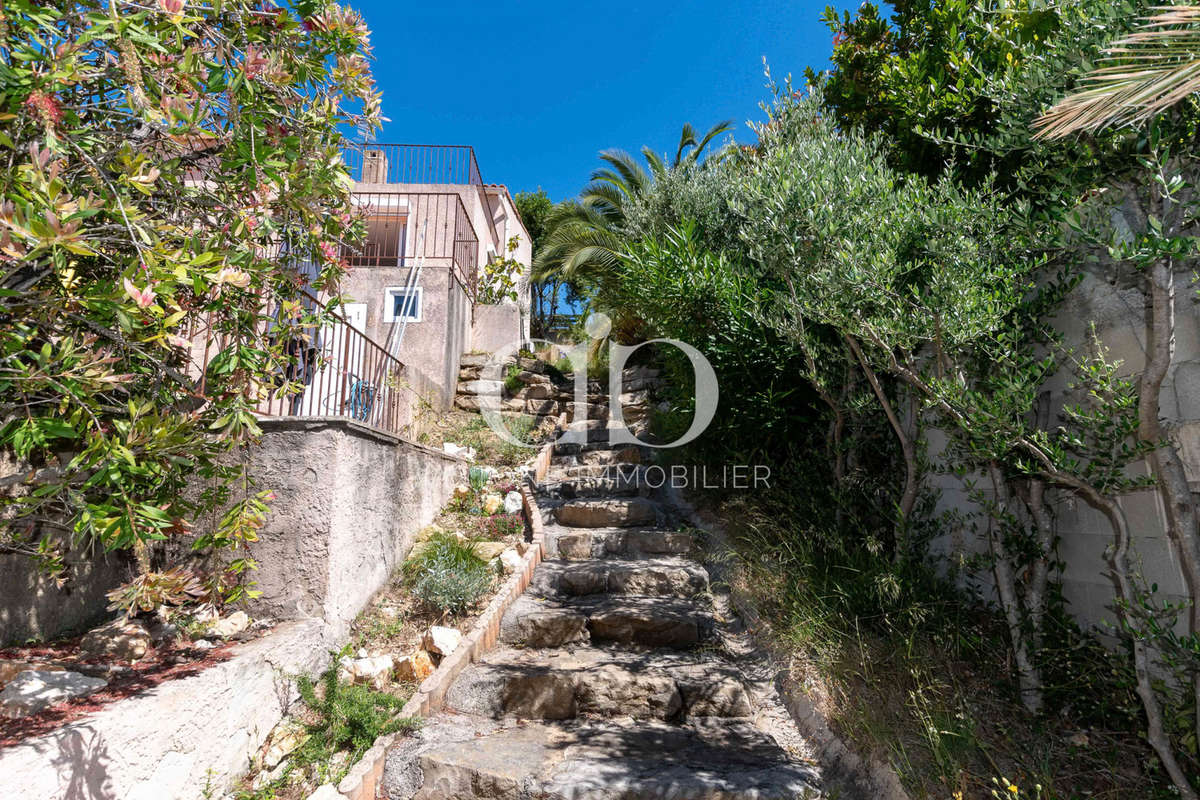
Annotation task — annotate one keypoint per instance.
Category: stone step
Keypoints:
(573, 544)
(562, 448)
(650, 577)
(624, 480)
(607, 513)
(596, 455)
(602, 682)
(473, 359)
(709, 759)
(630, 619)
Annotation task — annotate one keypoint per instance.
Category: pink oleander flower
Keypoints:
(143, 297)
(172, 7)
(329, 250)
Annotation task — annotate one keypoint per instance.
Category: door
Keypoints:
(340, 380)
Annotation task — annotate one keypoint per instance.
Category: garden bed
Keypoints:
(922, 682)
(166, 663)
(392, 648)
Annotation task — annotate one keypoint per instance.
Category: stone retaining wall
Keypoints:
(176, 739)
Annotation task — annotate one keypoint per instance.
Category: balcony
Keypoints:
(412, 164)
(417, 228)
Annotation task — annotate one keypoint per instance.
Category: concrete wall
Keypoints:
(33, 606)
(508, 225)
(186, 739)
(1119, 318)
(495, 327)
(432, 347)
(349, 501)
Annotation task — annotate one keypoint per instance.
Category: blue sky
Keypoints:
(540, 87)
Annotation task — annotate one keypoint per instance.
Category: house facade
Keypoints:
(414, 286)
(414, 300)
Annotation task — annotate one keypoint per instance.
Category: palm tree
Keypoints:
(1140, 76)
(584, 237)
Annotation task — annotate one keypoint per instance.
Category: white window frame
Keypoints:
(389, 302)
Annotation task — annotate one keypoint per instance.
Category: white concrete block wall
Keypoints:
(1084, 533)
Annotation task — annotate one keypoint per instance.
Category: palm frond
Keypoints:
(1140, 76)
(724, 126)
(687, 138)
(605, 199)
(658, 167)
(632, 178)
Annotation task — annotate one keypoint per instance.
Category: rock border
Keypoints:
(363, 779)
(845, 769)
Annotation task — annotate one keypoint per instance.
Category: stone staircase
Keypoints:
(620, 673)
(549, 397)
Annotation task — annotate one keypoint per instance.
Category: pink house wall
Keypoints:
(449, 325)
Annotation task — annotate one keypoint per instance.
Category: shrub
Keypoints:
(501, 526)
(347, 718)
(447, 575)
(512, 380)
(111, 256)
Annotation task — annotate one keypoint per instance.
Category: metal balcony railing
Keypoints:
(412, 163)
(332, 370)
(404, 228)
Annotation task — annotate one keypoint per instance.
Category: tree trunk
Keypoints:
(1164, 460)
(909, 499)
(1028, 676)
(1035, 603)
(1155, 734)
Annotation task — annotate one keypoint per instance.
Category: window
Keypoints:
(402, 303)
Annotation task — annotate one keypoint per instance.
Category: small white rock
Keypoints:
(375, 670)
(512, 502)
(203, 644)
(287, 736)
(452, 449)
(231, 625)
(441, 640)
(511, 560)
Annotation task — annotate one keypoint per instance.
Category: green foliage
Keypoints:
(512, 379)
(916, 669)
(535, 209)
(498, 282)
(477, 477)
(447, 575)
(585, 237)
(113, 255)
(349, 719)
